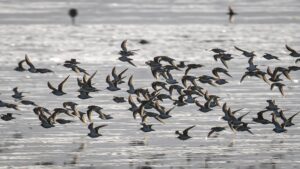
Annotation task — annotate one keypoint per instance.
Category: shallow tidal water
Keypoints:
(96, 43)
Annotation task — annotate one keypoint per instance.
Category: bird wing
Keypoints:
(187, 70)
(29, 62)
(291, 118)
(20, 64)
(114, 73)
(89, 81)
(159, 119)
(183, 80)
(91, 127)
(120, 74)
(260, 114)
(185, 132)
(237, 110)
(89, 114)
(244, 76)
(215, 72)
(108, 81)
(224, 108)
(124, 45)
(286, 74)
(239, 49)
(241, 117)
(199, 104)
(207, 103)
(281, 90)
(50, 86)
(224, 62)
(210, 132)
(61, 85)
(168, 111)
(130, 62)
(98, 127)
(290, 49)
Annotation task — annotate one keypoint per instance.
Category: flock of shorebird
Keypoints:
(142, 100)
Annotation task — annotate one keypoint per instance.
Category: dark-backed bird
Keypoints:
(59, 90)
(184, 135)
(260, 118)
(279, 128)
(218, 50)
(112, 86)
(242, 127)
(223, 57)
(17, 94)
(218, 70)
(119, 99)
(131, 89)
(204, 108)
(215, 129)
(146, 127)
(28, 102)
(287, 121)
(125, 53)
(245, 53)
(118, 78)
(280, 87)
(192, 66)
(270, 57)
(94, 131)
(293, 52)
(7, 117)
(8, 105)
(33, 69)
(20, 67)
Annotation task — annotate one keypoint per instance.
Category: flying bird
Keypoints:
(184, 135)
(59, 90)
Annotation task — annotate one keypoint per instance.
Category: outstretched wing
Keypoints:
(224, 62)
(120, 74)
(130, 62)
(61, 85)
(97, 128)
(20, 64)
(89, 114)
(244, 76)
(290, 49)
(29, 62)
(237, 48)
(210, 133)
(185, 132)
(124, 45)
(89, 81)
(50, 86)
(91, 127)
(291, 118)
(241, 117)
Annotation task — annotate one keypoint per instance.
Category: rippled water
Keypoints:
(25, 30)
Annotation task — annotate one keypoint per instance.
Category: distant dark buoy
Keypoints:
(73, 13)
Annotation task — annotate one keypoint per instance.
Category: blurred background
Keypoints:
(149, 11)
